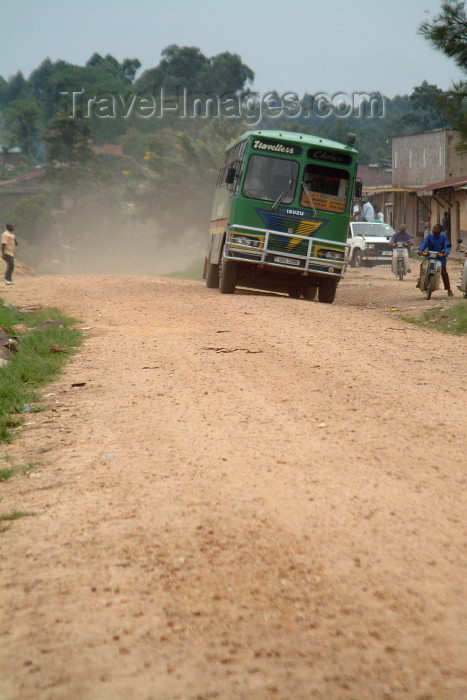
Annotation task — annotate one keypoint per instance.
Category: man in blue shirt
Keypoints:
(439, 242)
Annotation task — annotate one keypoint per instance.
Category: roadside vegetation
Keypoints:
(41, 353)
(14, 515)
(452, 320)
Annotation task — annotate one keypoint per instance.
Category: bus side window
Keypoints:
(230, 175)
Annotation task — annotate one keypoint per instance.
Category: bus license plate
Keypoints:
(287, 261)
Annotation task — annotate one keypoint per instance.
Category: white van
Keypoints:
(368, 241)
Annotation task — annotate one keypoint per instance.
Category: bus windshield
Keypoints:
(267, 177)
(324, 188)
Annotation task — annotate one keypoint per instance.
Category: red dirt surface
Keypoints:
(251, 496)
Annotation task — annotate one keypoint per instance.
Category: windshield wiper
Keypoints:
(282, 195)
(308, 194)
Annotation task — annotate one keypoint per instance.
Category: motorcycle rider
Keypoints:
(402, 236)
(439, 242)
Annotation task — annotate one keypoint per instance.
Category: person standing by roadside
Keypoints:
(356, 211)
(8, 243)
(379, 216)
(446, 225)
(426, 227)
(438, 242)
(368, 211)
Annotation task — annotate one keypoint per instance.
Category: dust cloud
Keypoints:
(128, 248)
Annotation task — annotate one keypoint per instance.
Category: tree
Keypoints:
(448, 33)
(23, 120)
(67, 139)
(70, 158)
(39, 78)
(123, 71)
(17, 88)
(225, 74)
(33, 217)
(186, 67)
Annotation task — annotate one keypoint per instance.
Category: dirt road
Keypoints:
(250, 497)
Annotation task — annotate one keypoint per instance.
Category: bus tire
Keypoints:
(212, 275)
(294, 290)
(327, 290)
(310, 291)
(228, 277)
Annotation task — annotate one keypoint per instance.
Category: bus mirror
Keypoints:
(230, 175)
(358, 189)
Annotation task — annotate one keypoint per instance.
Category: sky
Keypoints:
(299, 46)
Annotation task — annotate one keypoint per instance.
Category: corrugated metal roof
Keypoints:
(445, 184)
(388, 188)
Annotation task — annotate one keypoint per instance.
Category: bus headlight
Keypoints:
(330, 254)
(245, 240)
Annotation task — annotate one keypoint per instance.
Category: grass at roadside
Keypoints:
(14, 515)
(41, 355)
(452, 320)
(13, 470)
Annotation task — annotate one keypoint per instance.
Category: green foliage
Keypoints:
(67, 140)
(35, 363)
(452, 320)
(448, 33)
(71, 162)
(10, 472)
(186, 67)
(125, 71)
(6, 474)
(181, 170)
(33, 217)
(22, 118)
(15, 514)
(16, 89)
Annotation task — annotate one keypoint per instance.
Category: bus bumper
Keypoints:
(298, 255)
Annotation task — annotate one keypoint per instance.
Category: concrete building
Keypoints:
(429, 177)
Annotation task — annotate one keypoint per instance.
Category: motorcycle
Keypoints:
(400, 259)
(463, 278)
(430, 272)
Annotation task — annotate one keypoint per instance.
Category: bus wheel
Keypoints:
(327, 290)
(294, 290)
(212, 276)
(228, 277)
(309, 292)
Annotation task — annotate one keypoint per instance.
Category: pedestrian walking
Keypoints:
(8, 243)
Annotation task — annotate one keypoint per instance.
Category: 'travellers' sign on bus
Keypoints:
(277, 147)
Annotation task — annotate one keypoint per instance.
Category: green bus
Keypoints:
(281, 213)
